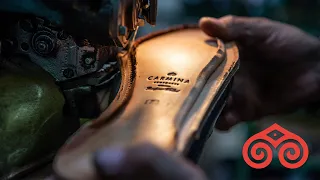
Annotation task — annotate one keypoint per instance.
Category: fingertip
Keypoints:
(213, 27)
(205, 20)
(207, 24)
(227, 121)
(110, 161)
(220, 126)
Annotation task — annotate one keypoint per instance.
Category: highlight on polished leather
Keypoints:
(174, 87)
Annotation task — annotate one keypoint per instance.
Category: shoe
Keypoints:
(173, 88)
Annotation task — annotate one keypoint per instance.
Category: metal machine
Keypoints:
(76, 43)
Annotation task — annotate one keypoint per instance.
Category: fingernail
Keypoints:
(110, 160)
(206, 19)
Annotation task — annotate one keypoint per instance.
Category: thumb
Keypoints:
(227, 120)
(234, 28)
(215, 28)
(144, 162)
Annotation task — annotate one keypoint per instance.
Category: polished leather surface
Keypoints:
(177, 76)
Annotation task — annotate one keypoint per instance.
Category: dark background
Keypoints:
(222, 159)
(302, 13)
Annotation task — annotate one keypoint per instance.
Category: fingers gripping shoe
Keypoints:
(174, 86)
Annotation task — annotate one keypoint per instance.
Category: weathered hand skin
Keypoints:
(279, 67)
(31, 115)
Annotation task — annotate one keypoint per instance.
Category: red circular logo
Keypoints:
(291, 149)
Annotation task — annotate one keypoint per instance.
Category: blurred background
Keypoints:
(222, 159)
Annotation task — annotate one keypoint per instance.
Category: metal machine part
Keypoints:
(57, 52)
(81, 69)
(135, 13)
(79, 53)
(57, 40)
(108, 22)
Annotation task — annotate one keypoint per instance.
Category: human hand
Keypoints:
(144, 162)
(279, 67)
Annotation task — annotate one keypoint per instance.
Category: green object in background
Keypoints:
(32, 125)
